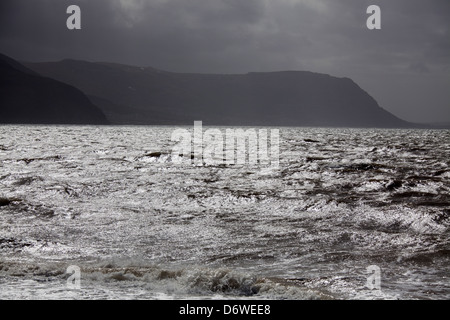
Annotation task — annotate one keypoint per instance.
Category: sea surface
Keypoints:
(113, 202)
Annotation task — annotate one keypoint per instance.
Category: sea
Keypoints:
(104, 212)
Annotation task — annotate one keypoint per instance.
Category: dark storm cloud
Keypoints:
(409, 53)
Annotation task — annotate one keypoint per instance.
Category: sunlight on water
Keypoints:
(112, 201)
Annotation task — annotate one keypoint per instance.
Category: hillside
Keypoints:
(135, 95)
(28, 98)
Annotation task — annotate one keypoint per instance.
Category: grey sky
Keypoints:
(405, 65)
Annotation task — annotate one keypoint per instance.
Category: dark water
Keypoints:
(112, 201)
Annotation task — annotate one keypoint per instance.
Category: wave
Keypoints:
(167, 283)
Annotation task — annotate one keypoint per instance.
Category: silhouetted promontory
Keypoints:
(136, 95)
(29, 98)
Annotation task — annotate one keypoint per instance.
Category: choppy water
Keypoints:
(142, 227)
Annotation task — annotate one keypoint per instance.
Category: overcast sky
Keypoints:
(405, 66)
